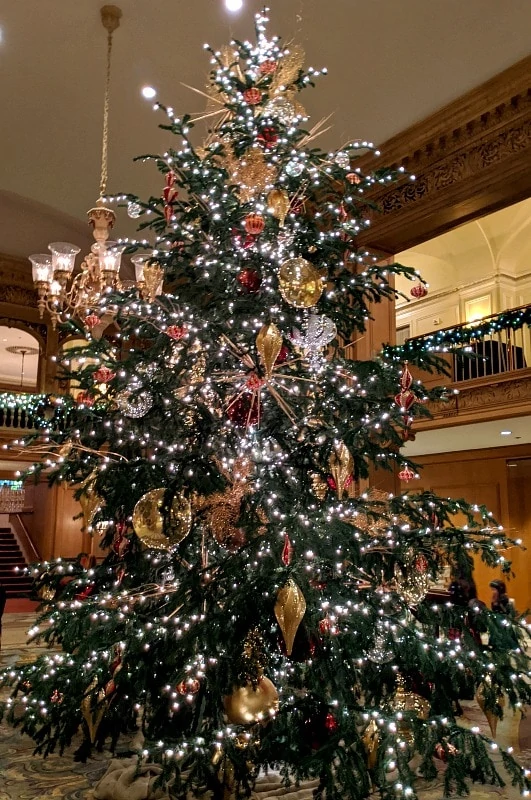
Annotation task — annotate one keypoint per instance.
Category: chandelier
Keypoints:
(63, 294)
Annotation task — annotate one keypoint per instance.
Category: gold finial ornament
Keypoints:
(110, 17)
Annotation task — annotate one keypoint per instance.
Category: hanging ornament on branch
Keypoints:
(249, 704)
(89, 500)
(162, 530)
(134, 401)
(301, 284)
(412, 581)
(268, 345)
(278, 205)
(341, 465)
(319, 332)
(406, 397)
(491, 715)
(411, 703)
(169, 196)
(290, 608)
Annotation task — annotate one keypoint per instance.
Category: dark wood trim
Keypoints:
(470, 158)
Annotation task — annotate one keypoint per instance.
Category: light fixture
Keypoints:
(233, 5)
(149, 92)
(60, 292)
(505, 433)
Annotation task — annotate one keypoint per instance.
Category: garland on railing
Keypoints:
(37, 408)
(453, 339)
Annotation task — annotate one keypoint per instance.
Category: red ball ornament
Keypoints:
(176, 332)
(254, 224)
(268, 67)
(325, 626)
(406, 474)
(243, 411)
(252, 96)
(268, 137)
(249, 279)
(103, 375)
(91, 321)
(85, 399)
(353, 178)
(189, 686)
(419, 291)
(331, 723)
(421, 564)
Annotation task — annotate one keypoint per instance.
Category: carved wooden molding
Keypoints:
(470, 158)
(16, 284)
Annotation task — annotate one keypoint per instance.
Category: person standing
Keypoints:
(500, 602)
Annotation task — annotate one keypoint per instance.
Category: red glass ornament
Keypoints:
(268, 137)
(85, 593)
(110, 687)
(419, 291)
(169, 195)
(249, 279)
(243, 411)
(287, 551)
(331, 723)
(176, 332)
(189, 686)
(254, 224)
(103, 375)
(406, 474)
(353, 178)
(57, 697)
(282, 355)
(91, 321)
(252, 96)
(85, 399)
(267, 67)
(170, 178)
(325, 626)
(421, 564)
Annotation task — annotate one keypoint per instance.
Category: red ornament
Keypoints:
(254, 382)
(85, 593)
(287, 551)
(91, 321)
(331, 723)
(57, 697)
(406, 474)
(103, 375)
(235, 539)
(268, 137)
(325, 626)
(85, 399)
(282, 355)
(268, 67)
(254, 224)
(249, 279)
(252, 96)
(169, 195)
(243, 411)
(421, 564)
(296, 206)
(170, 178)
(110, 687)
(419, 291)
(176, 332)
(353, 178)
(189, 686)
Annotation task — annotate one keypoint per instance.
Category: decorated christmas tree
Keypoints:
(259, 605)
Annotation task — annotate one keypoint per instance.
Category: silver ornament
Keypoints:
(133, 401)
(380, 653)
(134, 210)
(280, 108)
(294, 168)
(320, 331)
(342, 160)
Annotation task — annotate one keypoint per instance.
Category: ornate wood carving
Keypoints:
(470, 158)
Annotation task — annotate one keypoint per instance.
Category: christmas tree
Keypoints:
(259, 606)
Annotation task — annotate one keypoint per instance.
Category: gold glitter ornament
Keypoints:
(413, 584)
(341, 466)
(251, 173)
(492, 717)
(371, 739)
(301, 284)
(89, 501)
(247, 704)
(153, 277)
(319, 485)
(409, 702)
(268, 346)
(278, 204)
(290, 608)
(148, 521)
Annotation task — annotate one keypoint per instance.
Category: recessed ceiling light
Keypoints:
(505, 433)
(149, 92)
(233, 5)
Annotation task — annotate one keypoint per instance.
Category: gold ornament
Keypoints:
(248, 704)
(301, 284)
(290, 608)
(269, 345)
(371, 740)
(93, 713)
(413, 585)
(153, 276)
(89, 501)
(492, 717)
(288, 69)
(148, 520)
(410, 702)
(341, 466)
(278, 203)
(319, 485)
(251, 173)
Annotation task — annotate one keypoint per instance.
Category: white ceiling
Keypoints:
(11, 363)
(470, 437)
(390, 64)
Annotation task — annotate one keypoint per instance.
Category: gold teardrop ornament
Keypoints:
(93, 712)
(371, 739)
(290, 608)
(89, 501)
(278, 204)
(247, 704)
(492, 718)
(341, 465)
(149, 522)
(269, 345)
(300, 283)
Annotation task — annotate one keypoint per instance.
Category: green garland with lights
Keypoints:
(259, 610)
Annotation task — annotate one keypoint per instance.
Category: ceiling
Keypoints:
(17, 372)
(390, 64)
(476, 436)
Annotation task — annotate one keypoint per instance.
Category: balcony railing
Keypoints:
(18, 410)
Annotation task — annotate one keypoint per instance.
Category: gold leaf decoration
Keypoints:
(341, 466)
(290, 608)
(319, 485)
(269, 345)
(251, 173)
(278, 203)
(288, 69)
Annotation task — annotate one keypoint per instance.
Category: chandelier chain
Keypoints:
(105, 138)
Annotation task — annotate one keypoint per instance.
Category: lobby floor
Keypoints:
(27, 777)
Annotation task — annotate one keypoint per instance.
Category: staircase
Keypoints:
(16, 584)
